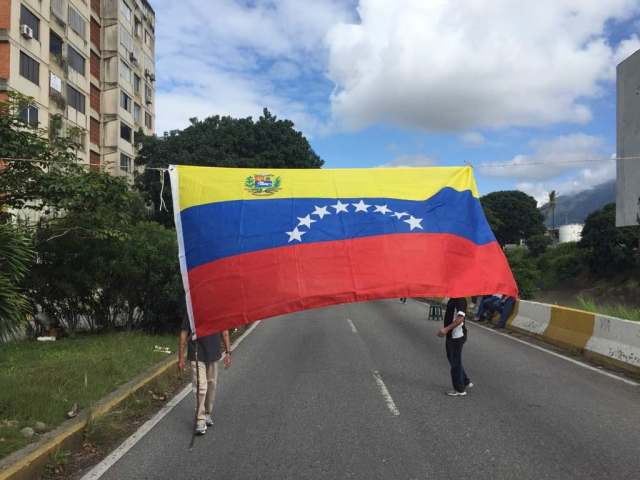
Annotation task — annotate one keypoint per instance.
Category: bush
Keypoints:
(560, 263)
(525, 272)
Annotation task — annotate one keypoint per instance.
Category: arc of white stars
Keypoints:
(361, 206)
(295, 234)
(321, 212)
(306, 221)
(414, 222)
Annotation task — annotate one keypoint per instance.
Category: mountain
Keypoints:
(575, 208)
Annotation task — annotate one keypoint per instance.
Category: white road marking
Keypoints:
(353, 327)
(100, 469)
(555, 354)
(385, 394)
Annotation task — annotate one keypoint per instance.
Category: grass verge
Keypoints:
(42, 381)
(614, 310)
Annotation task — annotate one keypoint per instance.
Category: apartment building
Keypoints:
(87, 64)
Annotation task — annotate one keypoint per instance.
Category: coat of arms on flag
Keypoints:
(253, 246)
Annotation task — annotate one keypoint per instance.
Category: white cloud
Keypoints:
(462, 64)
(231, 58)
(584, 179)
(550, 158)
(415, 160)
(473, 139)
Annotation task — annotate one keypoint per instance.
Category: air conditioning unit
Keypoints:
(146, 72)
(148, 101)
(133, 58)
(152, 77)
(26, 31)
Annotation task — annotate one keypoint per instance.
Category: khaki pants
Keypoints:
(208, 382)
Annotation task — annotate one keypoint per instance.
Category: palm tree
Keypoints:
(552, 207)
(15, 258)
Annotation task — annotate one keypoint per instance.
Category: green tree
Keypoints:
(15, 258)
(221, 142)
(609, 249)
(525, 271)
(538, 244)
(516, 216)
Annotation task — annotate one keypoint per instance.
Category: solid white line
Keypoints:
(100, 469)
(385, 394)
(353, 327)
(555, 354)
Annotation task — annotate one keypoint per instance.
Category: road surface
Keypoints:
(357, 392)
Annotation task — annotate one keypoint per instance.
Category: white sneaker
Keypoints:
(208, 420)
(470, 385)
(455, 393)
(201, 428)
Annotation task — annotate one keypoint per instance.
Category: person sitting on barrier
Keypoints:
(488, 306)
(505, 308)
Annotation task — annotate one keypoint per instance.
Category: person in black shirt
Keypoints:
(209, 352)
(456, 332)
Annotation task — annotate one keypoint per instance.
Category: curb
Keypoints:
(27, 462)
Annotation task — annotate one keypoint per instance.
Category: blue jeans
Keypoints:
(507, 308)
(487, 304)
(459, 378)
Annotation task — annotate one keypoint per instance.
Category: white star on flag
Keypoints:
(321, 212)
(295, 234)
(341, 207)
(361, 206)
(414, 222)
(382, 209)
(306, 221)
(399, 215)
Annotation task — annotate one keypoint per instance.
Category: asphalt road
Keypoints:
(302, 401)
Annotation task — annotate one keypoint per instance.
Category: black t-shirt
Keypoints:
(209, 349)
(455, 305)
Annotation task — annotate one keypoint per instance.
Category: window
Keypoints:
(125, 132)
(29, 68)
(125, 72)
(125, 162)
(55, 43)
(136, 84)
(29, 115)
(76, 61)
(125, 101)
(75, 99)
(95, 4)
(148, 39)
(125, 11)
(28, 18)
(137, 112)
(148, 121)
(55, 82)
(125, 39)
(76, 22)
(94, 161)
(137, 31)
(58, 9)
(148, 93)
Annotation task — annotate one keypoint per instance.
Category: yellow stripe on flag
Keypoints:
(203, 185)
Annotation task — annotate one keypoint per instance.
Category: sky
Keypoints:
(522, 91)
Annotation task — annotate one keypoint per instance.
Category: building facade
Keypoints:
(87, 64)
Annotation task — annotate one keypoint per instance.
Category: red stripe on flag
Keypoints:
(257, 285)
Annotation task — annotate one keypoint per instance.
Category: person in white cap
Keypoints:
(456, 333)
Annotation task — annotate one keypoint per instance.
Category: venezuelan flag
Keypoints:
(259, 243)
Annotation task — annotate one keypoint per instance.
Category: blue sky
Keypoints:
(523, 92)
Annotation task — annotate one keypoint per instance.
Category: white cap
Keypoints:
(460, 313)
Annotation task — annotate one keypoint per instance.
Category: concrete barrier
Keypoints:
(615, 340)
(605, 339)
(532, 317)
